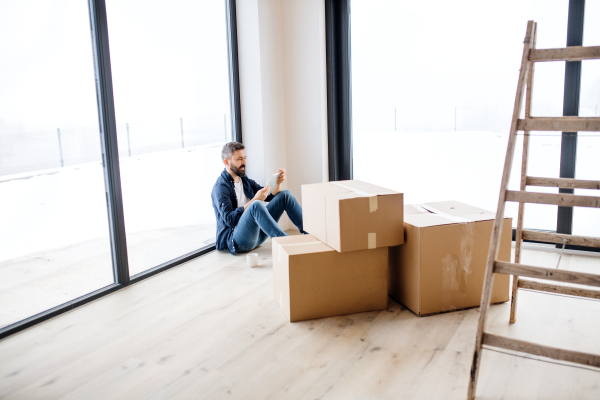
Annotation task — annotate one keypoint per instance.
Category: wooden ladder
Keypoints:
(560, 124)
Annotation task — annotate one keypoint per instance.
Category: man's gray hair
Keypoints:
(230, 148)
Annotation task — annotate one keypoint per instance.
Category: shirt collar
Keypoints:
(228, 177)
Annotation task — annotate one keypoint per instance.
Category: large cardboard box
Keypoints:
(442, 263)
(312, 280)
(353, 215)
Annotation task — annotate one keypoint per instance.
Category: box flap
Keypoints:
(424, 220)
(458, 208)
(444, 213)
(362, 189)
(411, 209)
(325, 188)
(301, 244)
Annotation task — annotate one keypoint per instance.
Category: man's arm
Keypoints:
(222, 200)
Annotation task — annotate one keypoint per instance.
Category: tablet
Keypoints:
(273, 182)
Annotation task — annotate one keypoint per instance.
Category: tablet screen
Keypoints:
(273, 182)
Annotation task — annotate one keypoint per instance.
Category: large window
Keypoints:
(54, 243)
(433, 88)
(163, 78)
(169, 66)
(586, 221)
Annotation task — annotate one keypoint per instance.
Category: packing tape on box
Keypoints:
(443, 214)
(296, 244)
(372, 197)
(372, 238)
(419, 208)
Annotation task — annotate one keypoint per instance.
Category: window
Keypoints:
(169, 68)
(587, 220)
(433, 90)
(59, 165)
(54, 228)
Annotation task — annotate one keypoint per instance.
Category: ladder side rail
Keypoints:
(486, 293)
(523, 186)
(558, 289)
(519, 235)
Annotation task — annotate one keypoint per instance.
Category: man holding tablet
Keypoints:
(244, 221)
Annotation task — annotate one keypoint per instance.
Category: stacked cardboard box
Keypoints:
(312, 280)
(355, 254)
(341, 268)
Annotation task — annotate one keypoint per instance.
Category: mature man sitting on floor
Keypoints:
(244, 221)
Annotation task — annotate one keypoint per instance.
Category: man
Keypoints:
(244, 221)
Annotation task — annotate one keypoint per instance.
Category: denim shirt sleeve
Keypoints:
(222, 199)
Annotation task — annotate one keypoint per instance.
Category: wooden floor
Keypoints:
(211, 329)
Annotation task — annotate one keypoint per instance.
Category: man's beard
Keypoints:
(238, 171)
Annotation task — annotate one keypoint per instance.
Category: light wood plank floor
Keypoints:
(211, 329)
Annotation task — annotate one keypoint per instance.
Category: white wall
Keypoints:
(305, 91)
(251, 86)
(281, 46)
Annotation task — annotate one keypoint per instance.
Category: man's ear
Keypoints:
(226, 162)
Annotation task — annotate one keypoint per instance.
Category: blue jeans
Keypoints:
(259, 221)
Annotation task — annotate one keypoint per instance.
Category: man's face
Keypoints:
(237, 163)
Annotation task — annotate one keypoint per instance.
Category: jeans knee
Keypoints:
(287, 194)
(256, 206)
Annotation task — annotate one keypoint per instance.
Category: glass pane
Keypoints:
(53, 219)
(586, 221)
(169, 67)
(433, 97)
(591, 28)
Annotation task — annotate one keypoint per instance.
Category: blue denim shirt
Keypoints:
(226, 208)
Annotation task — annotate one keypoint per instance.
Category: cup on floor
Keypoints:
(252, 259)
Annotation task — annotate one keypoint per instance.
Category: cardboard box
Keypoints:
(442, 263)
(353, 215)
(312, 280)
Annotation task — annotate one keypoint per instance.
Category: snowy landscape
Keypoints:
(467, 167)
(54, 234)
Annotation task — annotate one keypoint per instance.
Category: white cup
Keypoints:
(252, 259)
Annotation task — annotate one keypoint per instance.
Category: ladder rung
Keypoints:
(560, 124)
(560, 199)
(582, 278)
(559, 237)
(565, 183)
(554, 288)
(571, 53)
(522, 346)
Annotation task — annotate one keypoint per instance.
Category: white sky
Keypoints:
(428, 57)
(168, 62)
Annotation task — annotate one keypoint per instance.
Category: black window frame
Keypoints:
(110, 162)
(339, 89)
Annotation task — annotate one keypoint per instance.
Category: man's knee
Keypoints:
(257, 206)
(287, 194)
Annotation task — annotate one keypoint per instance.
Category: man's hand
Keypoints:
(280, 180)
(281, 173)
(261, 195)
